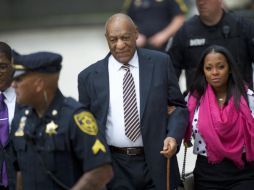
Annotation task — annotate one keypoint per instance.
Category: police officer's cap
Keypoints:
(42, 62)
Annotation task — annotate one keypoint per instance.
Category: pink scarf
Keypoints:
(225, 130)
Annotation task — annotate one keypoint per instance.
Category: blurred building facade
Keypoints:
(45, 13)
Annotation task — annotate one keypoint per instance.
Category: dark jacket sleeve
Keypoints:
(178, 120)
(82, 89)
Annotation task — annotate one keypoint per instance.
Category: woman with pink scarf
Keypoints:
(221, 109)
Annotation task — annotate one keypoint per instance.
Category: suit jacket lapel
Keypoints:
(145, 77)
(101, 84)
(101, 81)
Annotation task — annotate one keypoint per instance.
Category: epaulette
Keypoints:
(72, 103)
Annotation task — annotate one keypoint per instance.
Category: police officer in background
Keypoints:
(157, 20)
(56, 141)
(213, 26)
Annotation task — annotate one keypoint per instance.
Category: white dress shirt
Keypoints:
(115, 129)
(10, 101)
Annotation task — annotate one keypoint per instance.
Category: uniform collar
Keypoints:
(55, 106)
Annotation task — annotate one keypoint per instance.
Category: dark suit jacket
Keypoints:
(8, 155)
(158, 89)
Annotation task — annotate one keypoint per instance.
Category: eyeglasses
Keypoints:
(4, 67)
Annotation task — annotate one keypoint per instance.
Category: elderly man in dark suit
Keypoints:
(129, 92)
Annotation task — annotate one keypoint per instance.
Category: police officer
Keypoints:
(157, 21)
(57, 142)
(213, 26)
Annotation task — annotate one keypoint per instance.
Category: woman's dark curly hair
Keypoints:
(235, 85)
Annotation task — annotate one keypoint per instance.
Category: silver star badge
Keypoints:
(51, 128)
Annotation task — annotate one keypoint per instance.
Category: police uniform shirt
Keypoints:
(66, 142)
(232, 32)
(151, 16)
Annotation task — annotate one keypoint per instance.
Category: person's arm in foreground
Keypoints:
(94, 179)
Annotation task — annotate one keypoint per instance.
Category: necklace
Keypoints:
(221, 99)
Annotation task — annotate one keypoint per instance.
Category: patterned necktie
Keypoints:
(131, 116)
(4, 134)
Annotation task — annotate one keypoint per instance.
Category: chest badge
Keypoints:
(20, 130)
(51, 128)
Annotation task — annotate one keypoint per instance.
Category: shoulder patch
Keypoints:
(98, 146)
(86, 122)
